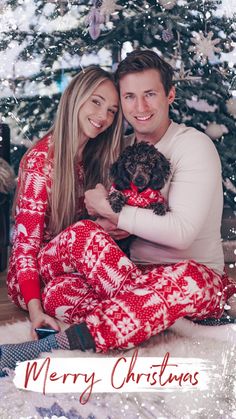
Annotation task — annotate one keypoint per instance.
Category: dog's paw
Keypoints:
(159, 208)
(116, 200)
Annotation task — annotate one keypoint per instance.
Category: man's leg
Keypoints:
(171, 292)
(144, 305)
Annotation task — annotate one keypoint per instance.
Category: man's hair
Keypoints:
(141, 60)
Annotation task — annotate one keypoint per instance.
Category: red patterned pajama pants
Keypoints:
(88, 278)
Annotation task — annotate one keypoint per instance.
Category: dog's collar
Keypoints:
(133, 187)
(146, 193)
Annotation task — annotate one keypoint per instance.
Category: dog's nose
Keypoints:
(139, 181)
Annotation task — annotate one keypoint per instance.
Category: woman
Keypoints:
(75, 154)
(115, 303)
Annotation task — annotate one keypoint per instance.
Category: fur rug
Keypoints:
(216, 345)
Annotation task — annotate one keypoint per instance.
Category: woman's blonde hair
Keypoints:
(98, 153)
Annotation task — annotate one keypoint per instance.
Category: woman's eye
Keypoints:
(96, 102)
(112, 111)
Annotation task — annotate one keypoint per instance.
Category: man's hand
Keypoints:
(97, 204)
(111, 229)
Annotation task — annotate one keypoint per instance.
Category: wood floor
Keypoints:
(9, 313)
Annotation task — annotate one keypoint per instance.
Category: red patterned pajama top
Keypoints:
(31, 230)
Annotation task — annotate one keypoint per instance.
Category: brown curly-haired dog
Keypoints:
(138, 175)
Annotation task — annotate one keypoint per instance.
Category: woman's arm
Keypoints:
(31, 207)
(39, 318)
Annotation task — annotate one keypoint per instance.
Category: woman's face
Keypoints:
(98, 112)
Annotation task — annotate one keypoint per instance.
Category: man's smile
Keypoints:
(143, 118)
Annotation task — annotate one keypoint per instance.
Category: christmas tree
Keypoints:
(195, 37)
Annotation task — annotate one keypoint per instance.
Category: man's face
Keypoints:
(145, 104)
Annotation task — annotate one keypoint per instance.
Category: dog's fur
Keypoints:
(144, 166)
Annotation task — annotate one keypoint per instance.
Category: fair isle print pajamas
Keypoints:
(88, 278)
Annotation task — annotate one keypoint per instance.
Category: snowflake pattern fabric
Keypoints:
(140, 199)
(88, 278)
(32, 230)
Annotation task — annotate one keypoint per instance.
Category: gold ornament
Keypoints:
(109, 7)
(185, 75)
(2, 6)
(167, 4)
(205, 46)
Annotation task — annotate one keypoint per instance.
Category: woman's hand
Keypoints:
(97, 204)
(111, 229)
(39, 318)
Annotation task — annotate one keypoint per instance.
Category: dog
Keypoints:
(138, 175)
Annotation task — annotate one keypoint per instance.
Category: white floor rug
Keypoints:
(215, 345)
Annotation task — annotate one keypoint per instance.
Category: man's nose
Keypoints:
(141, 104)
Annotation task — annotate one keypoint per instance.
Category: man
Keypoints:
(191, 230)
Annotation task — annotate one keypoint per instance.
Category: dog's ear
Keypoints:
(119, 175)
(114, 170)
(161, 172)
(123, 182)
(165, 167)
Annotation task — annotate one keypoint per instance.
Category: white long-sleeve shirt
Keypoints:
(191, 229)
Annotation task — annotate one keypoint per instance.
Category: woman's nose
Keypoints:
(102, 114)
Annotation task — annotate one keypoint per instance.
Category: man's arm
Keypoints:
(97, 204)
(194, 182)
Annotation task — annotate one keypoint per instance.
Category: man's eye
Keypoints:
(150, 94)
(129, 97)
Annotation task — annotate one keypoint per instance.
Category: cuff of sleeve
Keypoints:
(30, 289)
(127, 218)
